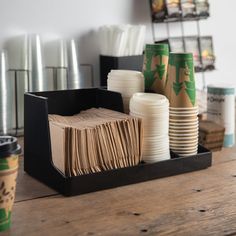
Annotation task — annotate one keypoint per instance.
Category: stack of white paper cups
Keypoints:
(181, 92)
(183, 130)
(126, 82)
(154, 111)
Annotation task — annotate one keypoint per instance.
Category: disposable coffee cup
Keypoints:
(181, 81)
(184, 142)
(185, 121)
(190, 135)
(187, 155)
(183, 126)
(184, 145)
(184, 113)
(185, 109)
(177, 117)
(183, 131)
(155, 67)
(9, 151)
(191, 152)
(183, 138)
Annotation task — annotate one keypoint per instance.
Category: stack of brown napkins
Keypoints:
(95, 140)
(211, 135)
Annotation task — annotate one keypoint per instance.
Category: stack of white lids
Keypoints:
(154, 111)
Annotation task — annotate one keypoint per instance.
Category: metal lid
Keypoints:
(8, 146)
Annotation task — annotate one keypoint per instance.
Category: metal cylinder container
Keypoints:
(74, 79)
(38, 80)
(7, 99)
(62, 65)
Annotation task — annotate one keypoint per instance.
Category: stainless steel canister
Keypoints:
(56, 62)
(74, 79)
(7, 99)
(38, 81)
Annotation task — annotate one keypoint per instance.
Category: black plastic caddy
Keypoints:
(38, 159)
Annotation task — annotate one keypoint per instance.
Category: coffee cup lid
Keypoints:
(9, 146)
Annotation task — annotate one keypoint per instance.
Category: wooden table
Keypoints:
(198, 203)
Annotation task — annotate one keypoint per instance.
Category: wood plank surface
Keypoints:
(27, 187)
(197, 203)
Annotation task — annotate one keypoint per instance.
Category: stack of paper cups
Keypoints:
(221, 109)
(126, 82)
(181, 92)
(154, 111)
(183, 131)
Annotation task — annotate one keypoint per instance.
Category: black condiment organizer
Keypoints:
(38, 160)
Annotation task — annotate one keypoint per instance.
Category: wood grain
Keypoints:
(27, 187)
(198, 203)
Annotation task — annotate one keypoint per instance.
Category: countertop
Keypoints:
(197, 203)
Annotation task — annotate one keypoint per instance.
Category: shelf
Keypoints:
(180, 19)
(209, 68)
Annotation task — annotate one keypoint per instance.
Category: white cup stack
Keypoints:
(126, 82)
(154, 111)
(183, 130)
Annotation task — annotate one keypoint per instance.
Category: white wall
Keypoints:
(80, 19)
(221, 26)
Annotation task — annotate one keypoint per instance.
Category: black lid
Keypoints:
(8, 146)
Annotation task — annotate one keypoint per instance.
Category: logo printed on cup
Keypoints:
(215, 99)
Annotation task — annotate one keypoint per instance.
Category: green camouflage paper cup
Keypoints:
(155, 67)
(180, 81)
(9, 150)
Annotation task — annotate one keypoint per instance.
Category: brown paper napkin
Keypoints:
(95, 140)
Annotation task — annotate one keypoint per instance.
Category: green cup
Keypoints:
(9, 150)
(180, 80)
(155, 67)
